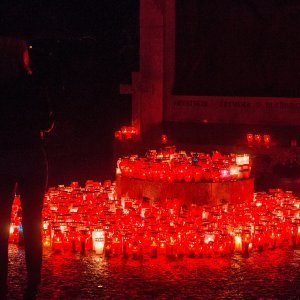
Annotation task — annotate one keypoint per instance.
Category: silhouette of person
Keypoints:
(24, 114)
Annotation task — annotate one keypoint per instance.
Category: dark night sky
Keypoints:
(112, 24)
(67, 17)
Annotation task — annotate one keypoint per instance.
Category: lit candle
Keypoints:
(250, 139)
(98, 240)
(153, 249)
(257, 138)
(267, 140)
(238, 246)
(234, 172)
(164, 139)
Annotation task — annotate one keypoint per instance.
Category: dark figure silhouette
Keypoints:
(24, 115)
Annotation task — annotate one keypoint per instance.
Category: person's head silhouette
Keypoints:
(14, 59)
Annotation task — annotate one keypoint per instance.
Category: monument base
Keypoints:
(200, 193)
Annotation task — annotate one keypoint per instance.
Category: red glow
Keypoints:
(171, 166)
(92, 218)
(249, 137)
(164, 139)
(257, 138)
(267, 139)
(126, 133)
(26, 62)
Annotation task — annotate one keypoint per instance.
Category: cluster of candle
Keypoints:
(126, 133)
(16, 229)
(171, 166)
(258, 139)
(93, 219)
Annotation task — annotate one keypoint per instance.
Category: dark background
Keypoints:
(82, 51)
(238, 47)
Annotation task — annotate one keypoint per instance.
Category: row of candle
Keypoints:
(171, 166)
(258, 139)
(126, 133)
(92, 218)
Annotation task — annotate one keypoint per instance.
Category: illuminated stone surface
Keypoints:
(188, 192)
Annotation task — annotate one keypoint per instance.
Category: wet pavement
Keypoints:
(271, 274)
